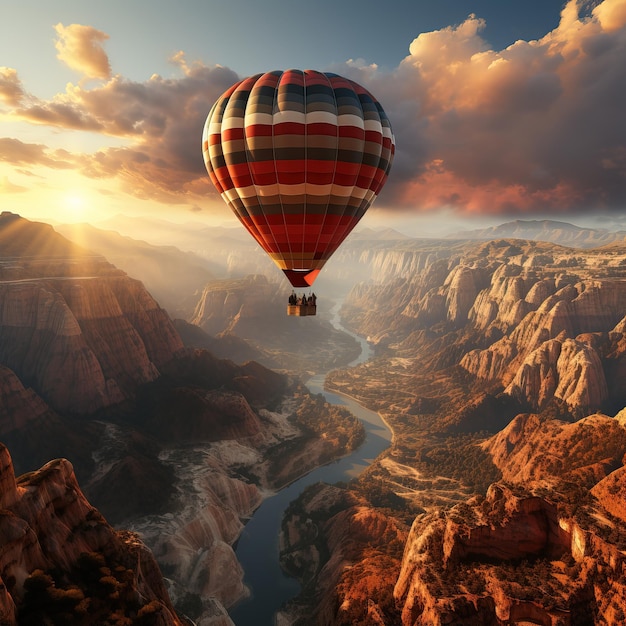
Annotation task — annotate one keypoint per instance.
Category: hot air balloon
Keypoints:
(299, 156)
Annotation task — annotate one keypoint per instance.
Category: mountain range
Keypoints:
(554, 231)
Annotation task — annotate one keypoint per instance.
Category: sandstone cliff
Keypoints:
(509, 558)
(346, 554)
(545, 550)
(59, 557)
(536, 320)
(535, 449)
(80, 331)
(550, 351)
(18, 405)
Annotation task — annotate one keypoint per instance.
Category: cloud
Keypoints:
(11, 91)
(80, 47)
(162, 119)
(17, 152)
(535, 127)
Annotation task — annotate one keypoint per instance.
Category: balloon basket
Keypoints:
(301, 309)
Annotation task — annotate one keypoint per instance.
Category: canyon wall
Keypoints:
(538, 320)
(60, 556)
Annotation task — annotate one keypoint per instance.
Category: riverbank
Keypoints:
(258, 548)
(354, 399)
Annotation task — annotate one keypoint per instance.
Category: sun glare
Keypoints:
(74, 207)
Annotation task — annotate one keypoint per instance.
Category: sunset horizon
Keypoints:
(530, 129)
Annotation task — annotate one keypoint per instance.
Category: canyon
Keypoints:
(498, 364)
(499, 367)
(169, 442)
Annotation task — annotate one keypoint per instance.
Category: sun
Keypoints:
(74, 206)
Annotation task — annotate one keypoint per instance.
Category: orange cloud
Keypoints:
(80, 47)
(161, 118)
(535, 127)
(611, 14)
(17, 152)
(11, 90)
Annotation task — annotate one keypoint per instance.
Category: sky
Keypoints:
(501, 109)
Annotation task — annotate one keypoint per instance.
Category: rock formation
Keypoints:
(60, 557)
(80, 331)
(354, 584)
(510, 313)
(535, 449)
(508, 559)
(18, 405)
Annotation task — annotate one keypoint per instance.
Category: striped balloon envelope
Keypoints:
(299, 156)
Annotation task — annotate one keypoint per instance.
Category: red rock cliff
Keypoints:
(78, 330)
(54, 543)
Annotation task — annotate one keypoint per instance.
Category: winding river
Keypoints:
(258, 549)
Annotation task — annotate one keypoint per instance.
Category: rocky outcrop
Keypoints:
(585, 307)
(54, 542)
(507, 559)
(78, 330)
(534, 449)
(461, 288)
(550, 351)
(18, 405)
(353, 584)
(569, 370)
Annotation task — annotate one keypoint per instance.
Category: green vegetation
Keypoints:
(461, 458)
(96, 591)
(339, 431)
(316, 416)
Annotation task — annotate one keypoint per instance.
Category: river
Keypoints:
(258, 549)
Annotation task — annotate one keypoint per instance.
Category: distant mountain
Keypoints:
(162, 232)
(231, 252)
(377, 234)
(545, 230)
(25, 239)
